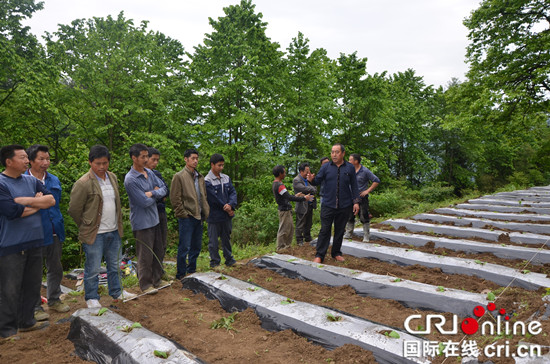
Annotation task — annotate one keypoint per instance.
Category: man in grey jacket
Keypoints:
(304, 209)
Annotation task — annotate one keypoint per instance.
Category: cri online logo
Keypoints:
(470, 325)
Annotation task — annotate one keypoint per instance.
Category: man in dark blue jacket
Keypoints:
(54, 230)
(340, 200)
(21, 242)
(222, 199)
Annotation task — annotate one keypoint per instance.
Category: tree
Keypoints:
(308, 100)
(509, 47)
(119, 82)
(236, 72)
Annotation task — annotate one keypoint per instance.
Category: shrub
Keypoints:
(436, 193)
(255, 222)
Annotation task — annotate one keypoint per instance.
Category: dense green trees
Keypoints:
(106, 80)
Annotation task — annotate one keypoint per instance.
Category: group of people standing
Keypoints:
(345, 189)
(32, 226)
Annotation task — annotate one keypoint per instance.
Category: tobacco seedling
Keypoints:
(440, 289)
(129, 328)
(253, 289)
(333, 318)
(222, 277)
(161, 354)
(396, 280)
(491, 296)
(224, 323)
(525, 271)
(102, 311)
(287, 301)
(392, 334)
(479, 262)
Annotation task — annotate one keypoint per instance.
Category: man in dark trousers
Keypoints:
(21, 242)
(340, 200)
(304, 209)
(366, 182)
(222, 199)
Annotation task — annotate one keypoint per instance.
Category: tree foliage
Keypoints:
(509, 46)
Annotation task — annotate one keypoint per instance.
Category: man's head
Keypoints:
(279, 171)
(140, 155)
(39, 157)
(154, 158)
(14, 158)
(337, 153)
(303, 168)
(99, 158)
(191, 157)
(355, 159)
(324, 160)
(217, 162)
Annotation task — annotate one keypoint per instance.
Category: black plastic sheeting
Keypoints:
(93, 344)
(409, 297)
(275, 321)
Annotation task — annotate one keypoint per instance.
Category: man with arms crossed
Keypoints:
(340, 200)
(95, 208)
(222, 199)
(54, 230)
(190, 204)
(144, 189)
(21, 242)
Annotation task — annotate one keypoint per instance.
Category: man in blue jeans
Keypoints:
(190, 204)
(95, 208)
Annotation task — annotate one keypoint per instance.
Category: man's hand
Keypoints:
(299, 194)
(227, 207)
(309, 197)
(310, 177)
(364, 193)
(355, 208)
(149, 194)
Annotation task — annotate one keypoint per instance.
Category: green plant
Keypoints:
(332, 317)
(224, 322)
(161, 354)
(287, 301)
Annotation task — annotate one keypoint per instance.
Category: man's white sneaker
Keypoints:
(93, 303)
(126, 295)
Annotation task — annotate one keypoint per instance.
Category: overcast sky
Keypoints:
(394, 35)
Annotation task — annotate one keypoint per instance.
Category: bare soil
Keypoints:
(186, 317)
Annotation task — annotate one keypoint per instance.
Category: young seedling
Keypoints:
(292, 260)
(101, 311)
(440, 289)
(491, 296)
(161, 354)
(479, 262)
(253, 289)
(287, 301)
(222, 277)
(333, 318)
(129, 328)
(525, 271)
(224, 323)
(392, 334)
(396, 280)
